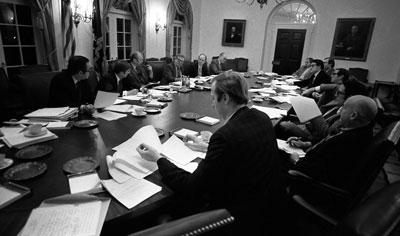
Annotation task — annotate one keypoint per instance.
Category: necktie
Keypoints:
(199, 70)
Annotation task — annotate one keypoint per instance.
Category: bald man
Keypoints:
(335, 159)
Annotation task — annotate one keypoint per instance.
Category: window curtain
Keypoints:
(183, 7)
(107, 4)
(138, 8)
(46, 18)
(67, 30)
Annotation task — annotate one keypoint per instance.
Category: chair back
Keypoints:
(360, 73)
(4, 82)
(379, 214)
(157, 67)
(152, 59)
(198, 224)
(242, 64)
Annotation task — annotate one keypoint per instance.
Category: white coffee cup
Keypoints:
(139, 110)
(35, 129)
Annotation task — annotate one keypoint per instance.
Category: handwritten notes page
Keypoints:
(68, 219)
(131, 192)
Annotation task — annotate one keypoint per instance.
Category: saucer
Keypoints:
(80, 165)
(189, 116)
(29, 135)
(6, 162)
(139, 114)
(164, 99)
(85, 123)
(25, 171)
(152, 110)
(33, 152)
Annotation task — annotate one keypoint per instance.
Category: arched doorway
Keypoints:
(288, 36)
(179, 29)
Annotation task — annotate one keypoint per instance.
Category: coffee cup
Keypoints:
(35, 129)
(139, 110)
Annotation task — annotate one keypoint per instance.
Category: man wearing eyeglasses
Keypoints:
(70, 87)
(216, 64)
(319, 77)
(200, 66)
(173, 71)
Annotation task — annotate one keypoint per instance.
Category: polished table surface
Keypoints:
(98, 143)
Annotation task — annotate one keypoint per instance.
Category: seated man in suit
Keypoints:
(140, 74)
(241, 170)
(303, 68)
(173, 71)
(329, 65)
(319, 76)
(200, 66)
(114, 82)
(335, 159)
(70, 87)
(216, 64)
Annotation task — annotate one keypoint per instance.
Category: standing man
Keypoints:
(70, 87)
(173, 70)
(140, 74)
(241, 170)
(200, 66)
(216, 64)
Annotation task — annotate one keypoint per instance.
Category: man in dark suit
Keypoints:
(319, 76)
(334, 160)
(200, 66)
(233, 36)
(216, 64)
(114, 82)
(241, 171)
(70, 87)
(140, 74)
(173, 71)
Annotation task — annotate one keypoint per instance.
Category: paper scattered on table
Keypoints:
(58, 125)
(7, 194)
(157, 93)
(176, 150)
(132, 98)
(284, 146)
(108, 115)
(281, 99)
(287, 87)
(131, 163)
(305, 108)
(208, 120)
(117, 174)
(271, 74)
(19, 140)
(56, 113)
(273, 113)
(190, 167)
(291, 81)
(88, 182)
(181, 133)
(131, 192)
(146, 134)
(125, 108)
(105, 99)
(119, 101)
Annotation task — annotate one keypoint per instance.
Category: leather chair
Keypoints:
(152, 59)
(342, 201)
(157, 67)
(359, 73)
(210, 222)
(242, 64)
(387, 95)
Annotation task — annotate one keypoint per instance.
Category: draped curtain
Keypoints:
(46, 16)
(67, 30)
(138, 8)
(184, 8)
(107, 4)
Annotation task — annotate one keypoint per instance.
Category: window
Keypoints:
(123, 38)
(17, 41)
(119, 35)
(177, 35)
(108, 38)
(298, 13)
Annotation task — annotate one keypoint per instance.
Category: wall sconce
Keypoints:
(159, 26)
(82, 11)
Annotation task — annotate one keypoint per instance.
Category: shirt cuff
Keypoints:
(317, 89)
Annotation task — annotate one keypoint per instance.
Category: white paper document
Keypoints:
(119, 101)
(58, 125)
(181, 133)
(125, 108)
(130, 162)
(273, 113)
(146, 134)
(132, 97)
(117, 174)
(108, 115)
(84, 183)
(19, 140)
(208, 120)
(176, 150)
(131, 192)
(284, 146)
(7, 194)
(105, 99)
(305, 108)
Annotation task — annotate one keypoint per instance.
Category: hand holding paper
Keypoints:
(148, 152)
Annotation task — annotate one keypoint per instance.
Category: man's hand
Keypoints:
(197, 144)
(148, 152)
(296, 142)
(308, 92)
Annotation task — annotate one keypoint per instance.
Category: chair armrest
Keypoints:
(191, 225)
(301, 177)
(313, 209)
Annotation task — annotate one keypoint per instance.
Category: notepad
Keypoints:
(208, 120)
(305, 108)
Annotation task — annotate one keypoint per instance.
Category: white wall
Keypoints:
(84, 40)
(155, 42)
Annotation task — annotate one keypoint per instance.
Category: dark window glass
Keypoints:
(12, 56)
(107, 39)
(108, 53)
(179, 17)
(127, 52)
(7, 13)
(26, 35)
(127, 39)
(29, 55)
(120, 39)
(179, 31)
(120, 53)
(174, 53)
(175, 28)
(174, 41)
(127, 26)
(9, 35)
(24, 15)
(120, 25)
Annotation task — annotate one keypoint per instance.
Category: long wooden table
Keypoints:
(98, 143)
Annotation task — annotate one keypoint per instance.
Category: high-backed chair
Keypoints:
(210, 222)
(341, 201)
(152, 59)
(157, 67)
(242, 64)
(360, 73)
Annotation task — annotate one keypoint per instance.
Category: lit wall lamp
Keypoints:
(82, 11)
(159, 25)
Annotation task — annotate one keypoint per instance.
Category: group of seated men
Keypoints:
(242, 170)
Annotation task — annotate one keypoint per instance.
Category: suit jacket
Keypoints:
(64, 92)
(215, 67)
(322, 78)
(195, 68)
(109, 83)
(335, 159)
(241, 170)
(170, 72)
(139, 75)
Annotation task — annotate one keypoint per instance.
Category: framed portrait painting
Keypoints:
(233, 33)
(352, 38)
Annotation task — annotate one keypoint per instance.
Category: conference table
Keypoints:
(98, 143)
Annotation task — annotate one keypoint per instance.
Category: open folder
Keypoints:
(76, 214)
(305, 108)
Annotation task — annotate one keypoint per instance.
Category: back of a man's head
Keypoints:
(121, 66)
(232, 84)
(360, 111)
(76, 64)
(136, 55)
(319, 63)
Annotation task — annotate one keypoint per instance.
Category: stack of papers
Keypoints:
(125, 108)
(18, 140)
(108, 115)
(284, 146)
(155, 103)
(59, 113)
(208, 120)
(273, 113)
(59, 125)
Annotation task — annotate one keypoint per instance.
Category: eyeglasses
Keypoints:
(313, 65)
